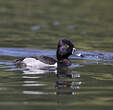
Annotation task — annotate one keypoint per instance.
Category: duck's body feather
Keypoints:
(64, 50)
(37, 61)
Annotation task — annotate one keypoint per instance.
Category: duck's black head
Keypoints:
(64, 50)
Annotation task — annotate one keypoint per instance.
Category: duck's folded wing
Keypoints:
(46, 59)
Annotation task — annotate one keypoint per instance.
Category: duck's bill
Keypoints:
(73, 51)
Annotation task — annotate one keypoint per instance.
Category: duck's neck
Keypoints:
(64, 61)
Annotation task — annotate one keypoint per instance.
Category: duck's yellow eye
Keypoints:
(67, 46)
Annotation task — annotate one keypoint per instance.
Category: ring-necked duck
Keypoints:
(64, 50)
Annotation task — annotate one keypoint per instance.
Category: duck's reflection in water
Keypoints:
(65, 83)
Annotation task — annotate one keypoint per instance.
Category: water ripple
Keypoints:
(84, 55)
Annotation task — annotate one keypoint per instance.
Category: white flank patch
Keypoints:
(32, 62)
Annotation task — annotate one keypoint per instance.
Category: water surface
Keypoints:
(86, 83)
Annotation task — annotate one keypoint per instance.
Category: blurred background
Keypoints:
(39, 24)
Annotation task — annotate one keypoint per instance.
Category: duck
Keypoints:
(65, 48)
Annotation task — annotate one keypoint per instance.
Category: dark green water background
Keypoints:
(39, 24)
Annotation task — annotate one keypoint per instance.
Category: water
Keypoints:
(34, 28)
(86, 83)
